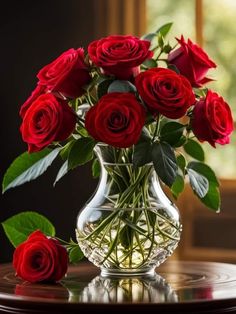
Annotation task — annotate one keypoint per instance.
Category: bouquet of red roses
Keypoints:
(142, 97)
(131, 86)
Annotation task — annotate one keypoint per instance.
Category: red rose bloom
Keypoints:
(48, 119)
(165, 92)
(39, 90)
(120, 55)
(67, 74)
(117, 119)
(212, 119)
(40, 259)
(192, 62)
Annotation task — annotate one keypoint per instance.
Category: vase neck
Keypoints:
(122, 185)
(112, 155)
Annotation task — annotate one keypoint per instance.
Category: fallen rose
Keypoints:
(40, 259)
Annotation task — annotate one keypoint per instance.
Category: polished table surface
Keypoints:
(177, 287)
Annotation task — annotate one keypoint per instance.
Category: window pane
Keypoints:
(180, 12)
(219, 42)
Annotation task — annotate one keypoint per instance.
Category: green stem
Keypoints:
(102, 224)
(157, 126)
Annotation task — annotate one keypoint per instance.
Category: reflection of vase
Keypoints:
(129, 225)
(147, 289)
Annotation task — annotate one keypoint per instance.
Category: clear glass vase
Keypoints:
(129, 226)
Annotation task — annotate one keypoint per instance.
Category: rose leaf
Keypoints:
(194, 149)
(164, 162)
(18, 227)
(142, 153)
(28, 167)
(178, 186)
(198, 182)
(81, 152)
(75, 254)
(171, 132)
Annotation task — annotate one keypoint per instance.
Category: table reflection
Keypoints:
(149, 289)
(40, 290)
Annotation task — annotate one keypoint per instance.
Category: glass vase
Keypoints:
(129, 226)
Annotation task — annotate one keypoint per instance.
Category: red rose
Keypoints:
(212, 119)
(67, 74)
(120, 55)
(192, 62)
(40, 259)
(48, 119)
(166, 92)
(39, 90)
(117, 119)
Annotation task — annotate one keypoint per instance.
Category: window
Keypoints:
(219, 33)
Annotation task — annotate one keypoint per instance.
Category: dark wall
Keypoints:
(32, 34)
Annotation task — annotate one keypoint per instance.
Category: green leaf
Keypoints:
(81, 152)
(82, 131)
(20, 226)
(74, 103)
(96, 168)
(149, 36)
(62, 171)
(173, 68)
(171, 132)
(145, 135)
(167, 48)
(205, 170)
(181, 162)
(149, 118)
(28, 167)
(160, 40)
(126, 235)
(194, 149)
(164, 162)
(103, 87)
(150, 63)
(121, 87)
(164, 29)
(212, 198)
(181, 141)
(178, 186)
(64, 153)
(142, 153)
(75, 254)
(200, 92)
(198, 182)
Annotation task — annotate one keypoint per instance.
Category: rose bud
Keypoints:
(40, 258)
(192, 62)
(212, 120)
(165, 92)
(117, 119)
(48, 119)
(67, 75)
(120, 55)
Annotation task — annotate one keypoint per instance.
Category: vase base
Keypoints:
(105, 272)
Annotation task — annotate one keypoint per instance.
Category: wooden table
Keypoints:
(178, 287)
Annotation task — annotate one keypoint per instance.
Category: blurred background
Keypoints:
(33, 33)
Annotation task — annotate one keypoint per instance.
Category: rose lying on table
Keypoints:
(40, 258)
